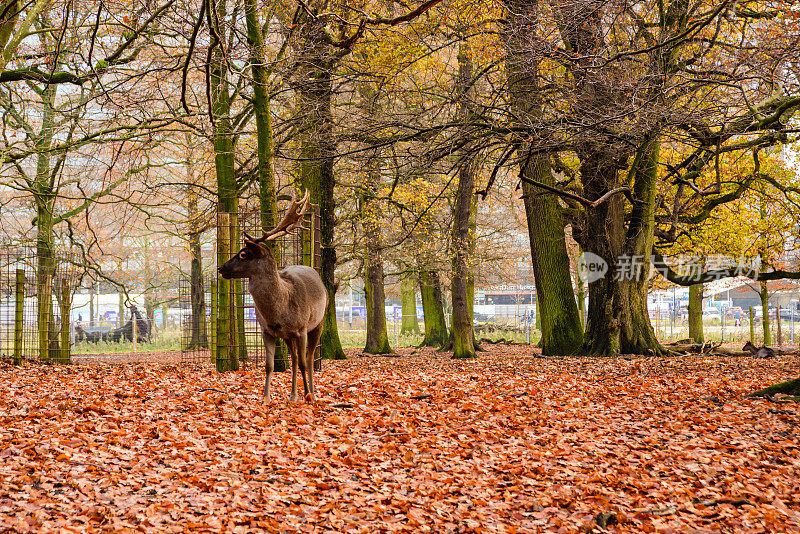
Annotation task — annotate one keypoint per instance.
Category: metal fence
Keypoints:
(28, 330)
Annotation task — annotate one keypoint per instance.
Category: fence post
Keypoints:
(752, 326)
(65, 305)
(778, 321)
(223, 307)
(45, 303)
(20, 299)
(213, 320)
(134, 328)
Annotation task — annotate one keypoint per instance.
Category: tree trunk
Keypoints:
(696, 313)
(267, 191)
(120, 308)
(462, 332)
(430, 289)
(261, 104)
(618, 320)
(764, 295)
(561, 325)
(92, 298)
(197, 291)
(408, 299)
(374, 292)
(45, 271)
(555, 298)
(603, 236)
(637, 334)
(377, 338)
(790, 387)
(580, 298)
(228, 350)
(44, 199)
(314, 93)
(197, 334)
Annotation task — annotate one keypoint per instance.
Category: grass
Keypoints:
(161, 341)
(352, 338)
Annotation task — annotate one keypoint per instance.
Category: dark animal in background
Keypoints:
(83, 335)
(759, 352)
(124, 332)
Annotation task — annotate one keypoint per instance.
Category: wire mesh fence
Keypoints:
(205, 337)
(35, 301)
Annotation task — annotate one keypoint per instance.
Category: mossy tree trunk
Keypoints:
(557, 309)
(377, 337)
(314, 89)
(227, 354)
(790, 387)
(462, 331)
(696, 313)
(618, 320)
(603, 236)
(265, 151)
(637, 334)
(764, 296)
(561, 326)
(430, 288)
(408, 300)
(613, 171)
(44, 196)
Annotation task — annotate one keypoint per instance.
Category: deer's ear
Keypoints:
(258, 250)
(263, 250)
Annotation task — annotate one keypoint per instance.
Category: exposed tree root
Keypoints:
(790, 388)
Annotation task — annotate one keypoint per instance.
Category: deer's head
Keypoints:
(246, 262)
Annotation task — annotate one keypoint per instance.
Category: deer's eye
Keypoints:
(243, 255)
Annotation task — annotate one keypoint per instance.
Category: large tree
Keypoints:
(562, 331)
(620, 80)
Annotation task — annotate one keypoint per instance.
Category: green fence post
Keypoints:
(20, 299)
(45, 298)
(65, 305)
(213, 320)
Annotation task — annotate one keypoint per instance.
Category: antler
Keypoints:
(290, 222)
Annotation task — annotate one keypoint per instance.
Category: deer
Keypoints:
(759, 352)
(290, 303)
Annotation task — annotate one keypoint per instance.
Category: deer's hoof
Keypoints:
(293, 398)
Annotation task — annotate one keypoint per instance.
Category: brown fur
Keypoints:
(290, 304)
(759, 352)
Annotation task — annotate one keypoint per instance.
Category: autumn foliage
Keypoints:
(511, 442)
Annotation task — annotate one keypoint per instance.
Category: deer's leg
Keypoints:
(302, 340)
(311, 349)
(269, 366)
(292, 344)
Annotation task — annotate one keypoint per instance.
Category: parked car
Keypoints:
(712, 313)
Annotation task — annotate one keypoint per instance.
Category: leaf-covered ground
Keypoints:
(508, 443)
